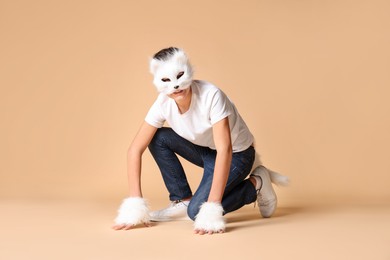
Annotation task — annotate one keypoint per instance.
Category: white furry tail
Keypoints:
(278, 179)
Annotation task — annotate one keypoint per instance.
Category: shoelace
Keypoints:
(257, 195)
(258, 191)
(176, 202)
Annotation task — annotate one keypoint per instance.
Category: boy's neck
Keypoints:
(185, 103)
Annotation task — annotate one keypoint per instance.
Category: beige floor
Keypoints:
(81, 230)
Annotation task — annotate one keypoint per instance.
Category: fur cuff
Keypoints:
(210, 217)
(133, 211)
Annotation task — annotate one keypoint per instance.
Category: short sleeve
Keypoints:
(221, 107)
(155, 117)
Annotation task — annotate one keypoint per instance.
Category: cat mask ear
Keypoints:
(153, 65)
(179, 57)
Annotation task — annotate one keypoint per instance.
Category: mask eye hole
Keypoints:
(165, 79)
(181, 73)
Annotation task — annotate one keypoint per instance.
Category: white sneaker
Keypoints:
(177, 210)
(266, 196)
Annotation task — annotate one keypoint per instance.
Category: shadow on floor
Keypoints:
(254, 214)
(250, 217)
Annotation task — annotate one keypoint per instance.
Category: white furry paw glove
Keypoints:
(210, 218)
(133, 211)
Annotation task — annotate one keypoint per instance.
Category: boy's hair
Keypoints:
(166, 53)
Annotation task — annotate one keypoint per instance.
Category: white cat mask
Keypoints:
(172, 73)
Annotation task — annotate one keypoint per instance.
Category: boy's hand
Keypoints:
(209, 219)
(133, 211)
(127, 227)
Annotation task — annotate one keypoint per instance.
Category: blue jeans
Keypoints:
(166, 145)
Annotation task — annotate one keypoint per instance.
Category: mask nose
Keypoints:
(176, 87)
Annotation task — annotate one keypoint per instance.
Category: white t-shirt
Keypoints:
(208, 106)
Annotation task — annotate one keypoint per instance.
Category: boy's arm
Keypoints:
(210, 217)
(134, 158)
(134, 209)
(223, 144)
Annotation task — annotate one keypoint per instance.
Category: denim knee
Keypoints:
(192, 210)
(159, 137)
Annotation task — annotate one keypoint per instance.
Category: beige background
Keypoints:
(311, 79)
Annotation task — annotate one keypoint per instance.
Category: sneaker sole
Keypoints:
(169, 219)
